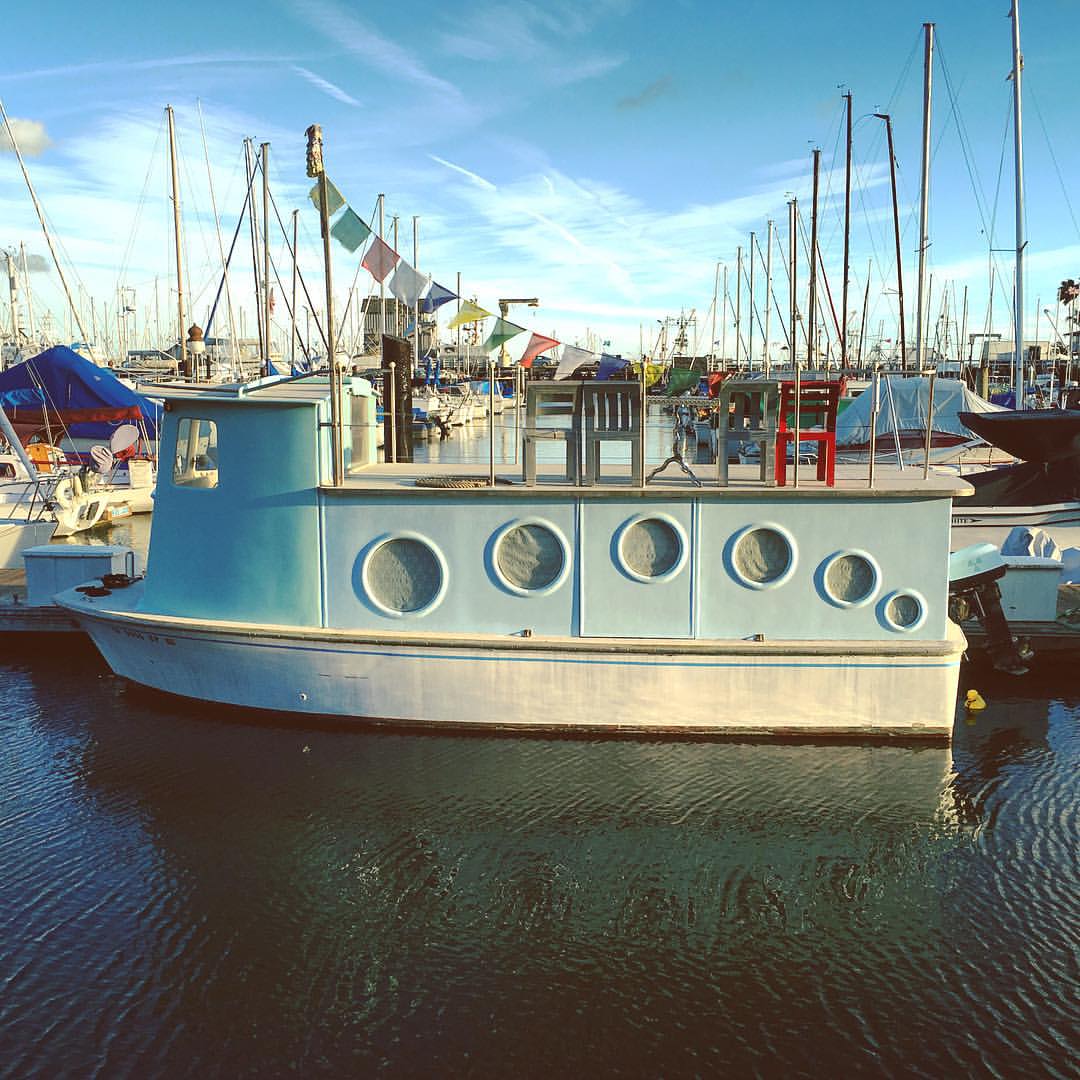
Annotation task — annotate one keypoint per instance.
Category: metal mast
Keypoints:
(924, 196)
(811, 307)
(847, 242)
(1018, 304)
(179, 244)
(45, 230)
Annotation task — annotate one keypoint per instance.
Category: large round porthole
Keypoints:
(531, 557)
(651, 548)
(903, 610)
(850, 578)
(404, 575)
(762, 556)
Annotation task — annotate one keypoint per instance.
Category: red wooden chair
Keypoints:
(818, 404)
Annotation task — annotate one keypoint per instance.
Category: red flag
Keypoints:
(714, 381)
(537, 344)
(380, 259)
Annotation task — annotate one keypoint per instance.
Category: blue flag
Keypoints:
(436, 297)
(609, 365)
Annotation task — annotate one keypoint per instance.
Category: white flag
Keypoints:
(408, 284)
(572, 358)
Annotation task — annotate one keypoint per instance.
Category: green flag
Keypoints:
(334, 199)
(501, 333)
(681, 380)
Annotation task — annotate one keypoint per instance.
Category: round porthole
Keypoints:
(651, 548)
(404, 575)
(903, 610)
(762, 556)
(850, 578)
(531, 557)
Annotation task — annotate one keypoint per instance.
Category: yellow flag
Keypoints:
(469, 312)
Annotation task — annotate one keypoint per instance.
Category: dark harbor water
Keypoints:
(193, 891)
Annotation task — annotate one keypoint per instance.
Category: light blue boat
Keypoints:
(425, 594)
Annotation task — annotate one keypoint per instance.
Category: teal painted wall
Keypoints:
(247, 549)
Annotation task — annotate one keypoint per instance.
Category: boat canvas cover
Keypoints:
(903, 406)
(86, 399)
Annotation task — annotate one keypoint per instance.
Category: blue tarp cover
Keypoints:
(88, 400)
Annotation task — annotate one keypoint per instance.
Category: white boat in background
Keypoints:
(906, 406)
(17, 535)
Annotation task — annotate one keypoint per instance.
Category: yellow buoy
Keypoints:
(974, 701)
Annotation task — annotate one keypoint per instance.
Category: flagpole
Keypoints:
(382, 286)
(315, 169)
(416, 304)
(458, 327)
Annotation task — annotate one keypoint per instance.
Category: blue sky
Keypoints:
(603, 157)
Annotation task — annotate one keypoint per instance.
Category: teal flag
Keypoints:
(334, 199)
(349, 230)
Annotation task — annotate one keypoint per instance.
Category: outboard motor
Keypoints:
(973, 593)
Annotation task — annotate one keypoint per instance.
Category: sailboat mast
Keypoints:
(1018, 138)
(265, 148)
(750, 340)
(793, 260)
(847, 242)
(768, 293)
(178, 238)
(896, 234)
(738, 307)
(712, 335)
(924, 196)
(45, 230)
(811, 307)
(292, 306)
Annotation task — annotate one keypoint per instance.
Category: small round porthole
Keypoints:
(762, 556)
(903, 610)
(404, 575)
(652, 548)
(530, 557)
(849, 578)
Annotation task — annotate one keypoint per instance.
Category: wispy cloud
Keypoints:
(654, 90)
(148, 64)
(375, 50)
(326, 86)
(537, 34)
(30, 135)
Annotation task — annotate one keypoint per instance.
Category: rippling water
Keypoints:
(187, 890)
(194, 891)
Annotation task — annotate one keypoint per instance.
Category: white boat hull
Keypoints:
(992, 524)
(800, 689)
(16, 536)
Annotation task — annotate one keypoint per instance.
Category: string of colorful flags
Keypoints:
(411, 287)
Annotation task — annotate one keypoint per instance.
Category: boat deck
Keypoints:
(744, 480)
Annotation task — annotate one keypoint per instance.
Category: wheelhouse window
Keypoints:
(196, 462)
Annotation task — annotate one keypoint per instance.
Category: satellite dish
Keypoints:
(102, 457)
(124, 438)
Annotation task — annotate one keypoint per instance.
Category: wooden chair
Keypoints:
(749, 411)
(611, 412)
(818, 404)
(544, 402)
